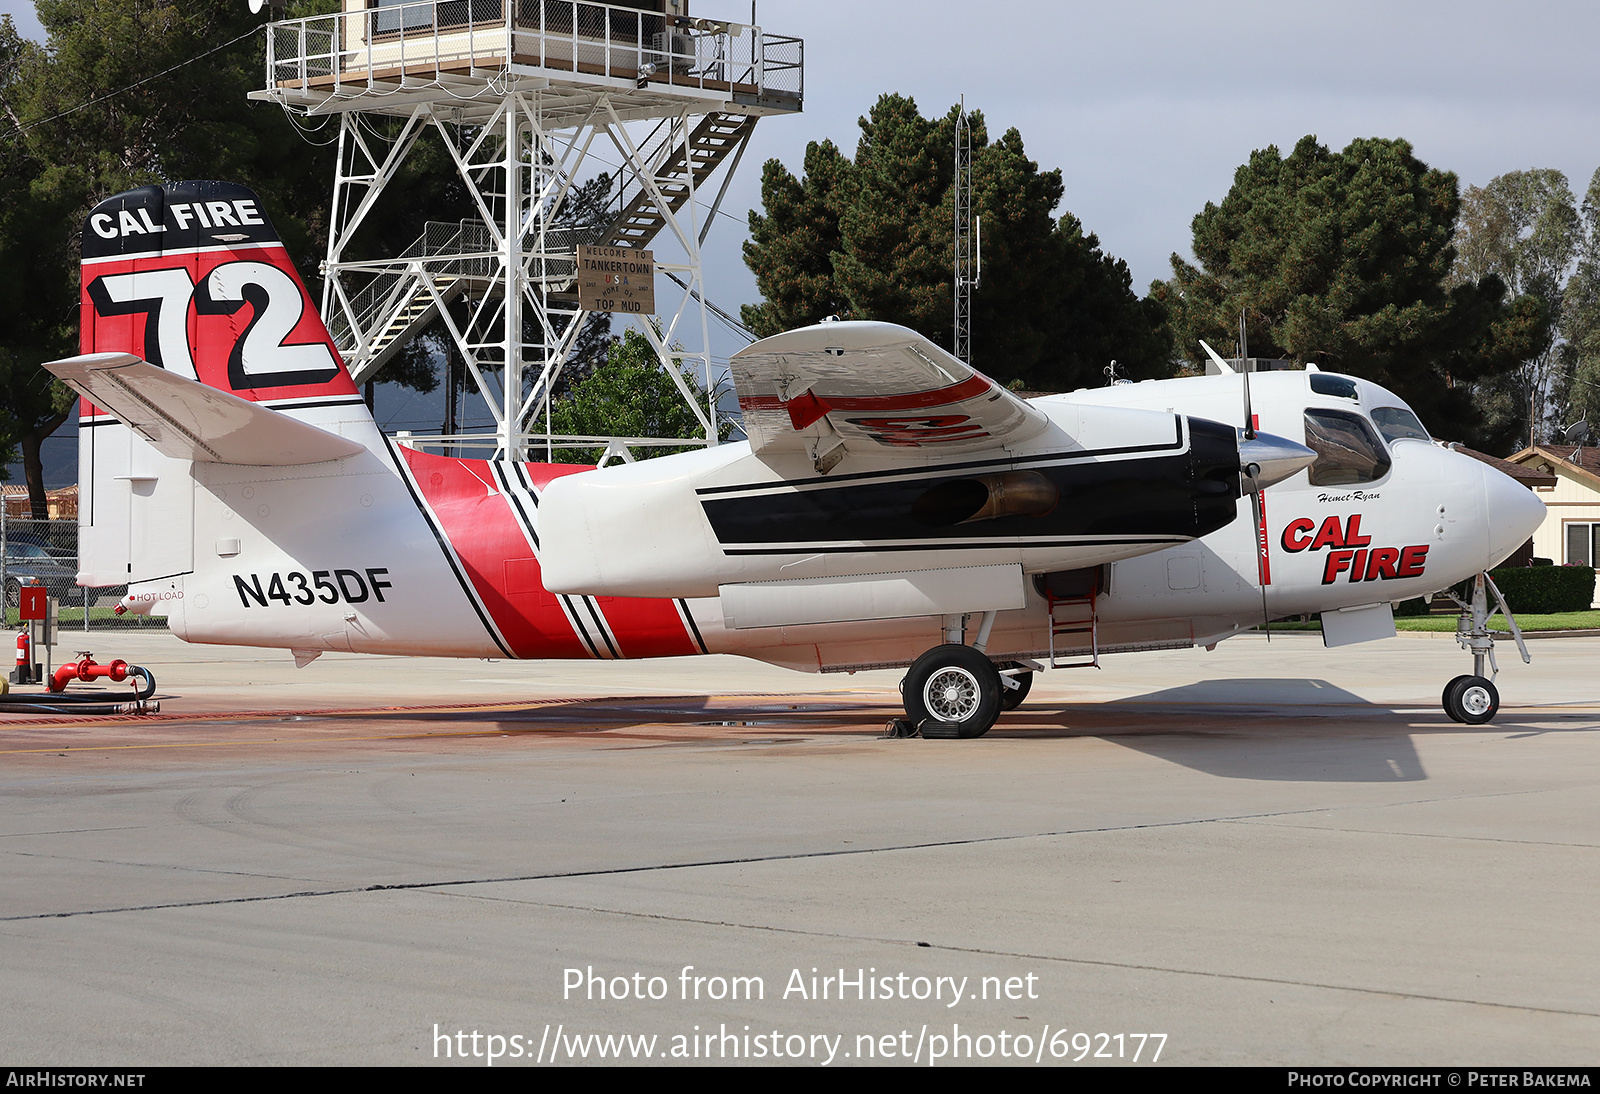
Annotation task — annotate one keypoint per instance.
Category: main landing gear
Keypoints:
(1473, 700)
(955, 692)
(952, 691)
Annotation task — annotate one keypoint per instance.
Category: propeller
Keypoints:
(1244, 372)
(1252, 471)
(1264, 459)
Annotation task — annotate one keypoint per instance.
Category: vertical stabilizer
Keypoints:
(193, 278)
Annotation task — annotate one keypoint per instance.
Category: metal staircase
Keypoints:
(396, 305)
(713, 140)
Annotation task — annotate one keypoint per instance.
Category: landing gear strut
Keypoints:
(1473, 700)
(1016, 673)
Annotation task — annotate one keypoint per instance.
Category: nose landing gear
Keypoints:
(1473, 700)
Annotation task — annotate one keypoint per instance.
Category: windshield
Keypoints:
(1348, 451)
(1396, 423)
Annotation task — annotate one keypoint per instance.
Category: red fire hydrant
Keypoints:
(118, 671)
(87, 670)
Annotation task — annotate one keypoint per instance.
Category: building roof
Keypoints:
(1526, 474)
(1580, 461)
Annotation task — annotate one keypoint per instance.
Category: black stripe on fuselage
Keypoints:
(516, 503)
(688, 618)
(1178, 496)
(990, 545)
(569, 608)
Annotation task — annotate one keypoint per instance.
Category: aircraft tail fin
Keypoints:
(193, 278)
(200, 346)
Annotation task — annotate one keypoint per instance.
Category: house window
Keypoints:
(1583, 544)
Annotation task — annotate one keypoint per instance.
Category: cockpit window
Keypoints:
(1396, 423)
(1342, 387)
(1348, 450)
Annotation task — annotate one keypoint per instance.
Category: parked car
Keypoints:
(29, 560)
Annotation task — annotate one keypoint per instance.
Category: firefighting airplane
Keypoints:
(892, 506)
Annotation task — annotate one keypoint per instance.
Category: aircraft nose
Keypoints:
(1514, 512)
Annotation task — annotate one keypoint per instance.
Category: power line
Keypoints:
(727, 320)
(140, 83)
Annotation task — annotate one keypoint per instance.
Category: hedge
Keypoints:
(1539, 590)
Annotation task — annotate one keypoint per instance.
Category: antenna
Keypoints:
(966, 269)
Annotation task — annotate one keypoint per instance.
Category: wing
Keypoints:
(190, 421)
(871, 387)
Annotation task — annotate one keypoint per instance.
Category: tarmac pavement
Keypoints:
(1267, 854)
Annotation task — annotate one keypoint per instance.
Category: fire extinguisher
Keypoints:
(24, 673)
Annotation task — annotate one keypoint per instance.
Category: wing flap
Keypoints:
(188, 420)
(871, 387)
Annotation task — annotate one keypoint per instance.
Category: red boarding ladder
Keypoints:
(1074, 613)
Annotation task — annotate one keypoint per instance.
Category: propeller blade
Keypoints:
(1251, 472)
(1244, 370)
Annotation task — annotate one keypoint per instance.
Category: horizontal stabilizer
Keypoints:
(187, 420)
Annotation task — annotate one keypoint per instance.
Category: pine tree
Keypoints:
(873, 237)
(1343, 259)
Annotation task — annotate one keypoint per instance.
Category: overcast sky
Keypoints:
(1149, 107)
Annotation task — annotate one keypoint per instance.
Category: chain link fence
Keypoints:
(45, 552)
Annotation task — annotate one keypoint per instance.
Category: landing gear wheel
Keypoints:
(1444, 696)
(951, 692)
(1473, 701)
(1011, 698)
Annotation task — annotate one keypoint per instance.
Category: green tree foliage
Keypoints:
(628, 396)
(1524, 229)
(38, 274)
(82, 120)
(1342, 258)
(873, 238)
(1578, 390)
(792, 246)
(193, 122)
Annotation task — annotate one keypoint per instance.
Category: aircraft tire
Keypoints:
(952, 692)
(1447, 702)
(1474, 701)
(1011, 698)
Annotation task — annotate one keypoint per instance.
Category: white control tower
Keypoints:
(530, 98)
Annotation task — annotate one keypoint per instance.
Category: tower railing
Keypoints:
(438, 38)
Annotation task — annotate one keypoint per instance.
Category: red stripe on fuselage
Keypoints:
(642, 626)
(489, 539)
(476, 517)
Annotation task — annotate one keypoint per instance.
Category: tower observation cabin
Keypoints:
(578, 130)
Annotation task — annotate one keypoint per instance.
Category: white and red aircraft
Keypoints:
(892, 506)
